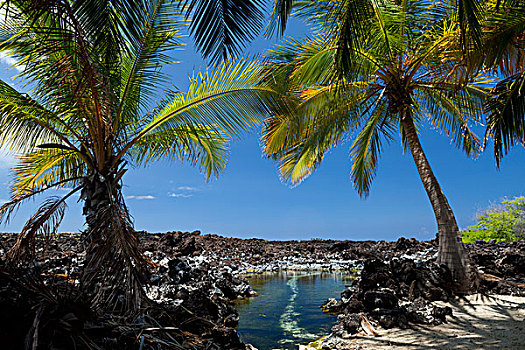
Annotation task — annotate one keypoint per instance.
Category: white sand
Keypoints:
(478, 322)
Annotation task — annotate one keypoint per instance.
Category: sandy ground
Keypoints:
(479, 322)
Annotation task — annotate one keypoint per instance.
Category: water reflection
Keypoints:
(287, 311)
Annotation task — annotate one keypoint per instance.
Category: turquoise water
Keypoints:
(287, 311)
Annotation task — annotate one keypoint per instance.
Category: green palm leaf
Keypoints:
(505, 121)
(220, 28)
(226, 101)
(366, 149)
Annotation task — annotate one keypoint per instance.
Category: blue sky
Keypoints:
(248, 199)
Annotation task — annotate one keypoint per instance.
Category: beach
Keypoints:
(478, 322)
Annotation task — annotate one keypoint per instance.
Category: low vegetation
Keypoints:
(503, 222)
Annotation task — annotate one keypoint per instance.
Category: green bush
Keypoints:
(505, 222)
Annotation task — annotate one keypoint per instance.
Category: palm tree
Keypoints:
(405, 73)
(95, 106)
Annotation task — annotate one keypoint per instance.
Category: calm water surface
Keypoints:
(287, 311)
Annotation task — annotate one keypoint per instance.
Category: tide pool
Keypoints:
(287, 311)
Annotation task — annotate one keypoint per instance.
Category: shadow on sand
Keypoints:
(479, 322)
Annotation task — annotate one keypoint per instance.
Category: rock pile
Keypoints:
(501, 267)
(392, 295)
(200, 289)
(189, 305)
(42, 315)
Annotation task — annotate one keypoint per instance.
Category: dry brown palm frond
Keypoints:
(48, 311)
(44, 222)
(116, 270)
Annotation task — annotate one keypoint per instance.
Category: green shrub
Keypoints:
(505, 222)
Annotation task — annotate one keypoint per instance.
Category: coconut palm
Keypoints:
(399, 78)
(98, 103)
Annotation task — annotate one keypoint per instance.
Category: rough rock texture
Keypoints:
(56, 316)
(188, 295)
(240, 256)
(196, 275)
(501, 266)
(393, 294)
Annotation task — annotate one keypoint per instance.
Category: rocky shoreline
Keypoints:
(197, 275)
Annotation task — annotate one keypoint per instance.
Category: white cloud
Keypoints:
(10, 61)
(7, 160)
(141, 197)
(187, 188)
(5, 58)
(180, 195)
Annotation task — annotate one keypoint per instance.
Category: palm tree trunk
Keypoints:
(115, 268)
(97, 195)
(451, 250)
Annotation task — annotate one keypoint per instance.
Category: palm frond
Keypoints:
(367, 146)
(45, 221)
(279, 18)
(110, 25)
(196, 144)
(356, 26)
(453, 111)
(469, 15)
(229, 100)
(140, 69)
(279, 63)
(39, 169)
(221, 28)
(24, 123)
(69, 79)
(503, 41)
(313, 62)
(296, 64)
(506, 110)
(9, 208)
(322, 118)
(349, 30)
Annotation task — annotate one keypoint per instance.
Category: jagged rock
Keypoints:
(179, 271)
(233, 288)
(404, 244)
(423, 312)
(349, 323)
(396, 293)
(171, 239)
(382, 298)
(395, 317)
(353, 305)
(187, 246)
